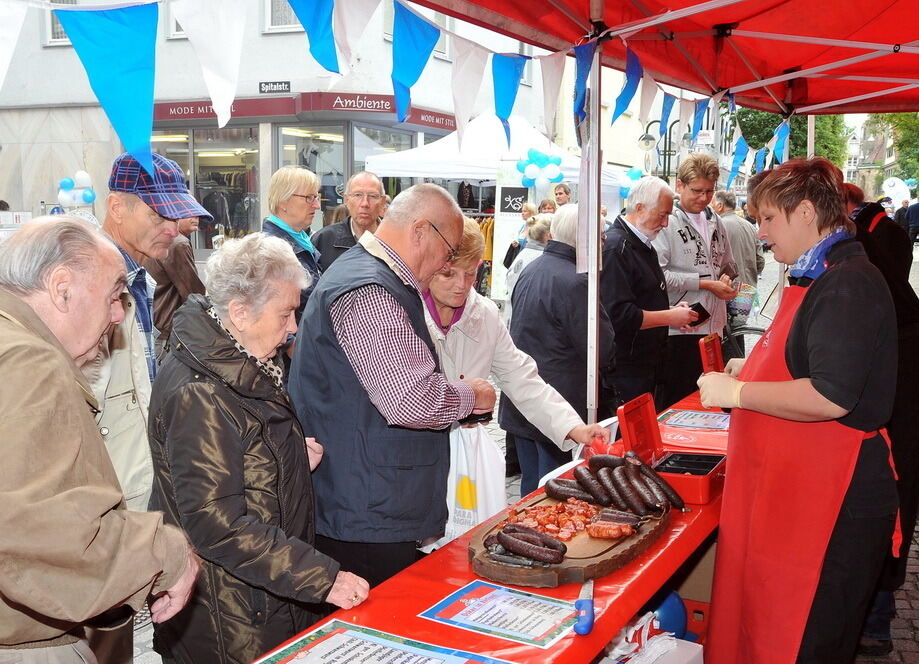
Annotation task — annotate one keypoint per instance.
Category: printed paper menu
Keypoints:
(519, 616)
(696, 419)
(339, 642)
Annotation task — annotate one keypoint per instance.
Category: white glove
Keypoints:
(721, 390)
(734, 366)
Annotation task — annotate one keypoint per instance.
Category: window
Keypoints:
(173, 27)
(54, 31)
(527, 50)
(441, 48)
(320, 148)
(280, 17)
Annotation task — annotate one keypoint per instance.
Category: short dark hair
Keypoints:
(726, 198)
(564, 187)
(816, 180)
(853, 193)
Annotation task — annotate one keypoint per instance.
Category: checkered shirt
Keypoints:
(141, 287)
(392, 363)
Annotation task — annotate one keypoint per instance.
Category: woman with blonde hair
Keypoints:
(472, 341)
(537, 236)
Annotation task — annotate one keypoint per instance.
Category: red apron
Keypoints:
(784, 487)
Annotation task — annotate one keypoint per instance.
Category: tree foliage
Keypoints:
(905, 128)
(830, 133)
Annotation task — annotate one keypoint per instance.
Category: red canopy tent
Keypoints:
(804, 56)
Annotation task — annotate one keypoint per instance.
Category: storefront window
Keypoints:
(375, 140)
(226, 182)
(320, 148)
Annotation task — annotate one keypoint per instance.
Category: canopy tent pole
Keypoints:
(571, 15)
(749, 65)
(802, 39)
(811, 70)
(869, 95)
(868, 79)
(811, 134)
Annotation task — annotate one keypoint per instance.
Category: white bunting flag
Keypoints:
(215, 29)
(552, 67)
(349, 20)
(12, 15)
(468, 70)
(648, 93)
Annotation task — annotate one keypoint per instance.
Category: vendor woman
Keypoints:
(809, 498)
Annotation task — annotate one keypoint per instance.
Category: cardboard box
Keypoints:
(697, 476)
(686, 652)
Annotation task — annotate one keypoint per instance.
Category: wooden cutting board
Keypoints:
(587, 557)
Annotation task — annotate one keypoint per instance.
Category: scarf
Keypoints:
(812, 263)
(300, 237)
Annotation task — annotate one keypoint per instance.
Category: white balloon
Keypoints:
(552, 171)
(531, 171)
(542, 182)
(81, 179)
(897, 190)
(65, 198)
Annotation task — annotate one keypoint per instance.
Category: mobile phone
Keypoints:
(729, 269)
(475, 418)
(702, 311)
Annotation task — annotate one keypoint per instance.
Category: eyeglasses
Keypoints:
(699, 192)
(371, 198)
(309, 198)
(450, 256)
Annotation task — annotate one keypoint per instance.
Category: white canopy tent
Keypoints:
(483, 151)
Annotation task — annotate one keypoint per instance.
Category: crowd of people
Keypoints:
(252, 449)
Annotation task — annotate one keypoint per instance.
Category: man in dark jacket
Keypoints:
(365, 201)
(912, 218)
(900, 216)
(634, 291)
(366, 384)
(550, 325)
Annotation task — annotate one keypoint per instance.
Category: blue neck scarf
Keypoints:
(300, 237)
(812, 263)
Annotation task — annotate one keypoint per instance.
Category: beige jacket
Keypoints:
(121, 385)
(69, 551)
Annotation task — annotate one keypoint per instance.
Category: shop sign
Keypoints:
(242, 108)
(371, 103)
(705, 137)
(273, 87)
(512, 199)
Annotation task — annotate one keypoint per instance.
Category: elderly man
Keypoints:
(900, 216)
(695, 255)
(141, 214)
(176, 278)
(635, 292)
(562, 194)
(748, 253)
(550, 325)
(366, 384)
(366, 201)
(72, 555)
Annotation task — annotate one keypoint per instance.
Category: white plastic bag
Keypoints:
(475, 484)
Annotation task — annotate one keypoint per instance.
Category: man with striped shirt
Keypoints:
(366, 383)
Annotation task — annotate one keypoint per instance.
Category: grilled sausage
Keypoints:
(587, 480)
(605, 477)
(598, 461)
(617, 516)
(628, 492)
(637, 479)
(531, 543)
(565, 489)
(650, 473)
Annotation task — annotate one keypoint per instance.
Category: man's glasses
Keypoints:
(699, 192)
(371, 198)
(450, 256)
(309, 198)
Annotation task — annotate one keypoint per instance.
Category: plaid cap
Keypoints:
(165, 192)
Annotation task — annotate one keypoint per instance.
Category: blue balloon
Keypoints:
(522, 165)
(555, 160)
(66, 184)
(671, 615)
(911, 183)
(557, 178)
(527, 182)
(624, 192)
(89, 195)
(634, 173)
(541, 159)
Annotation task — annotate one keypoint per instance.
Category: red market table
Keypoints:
(394, 605)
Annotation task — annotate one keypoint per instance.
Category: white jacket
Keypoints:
(121, 384)
(479, 345)
(527, 255)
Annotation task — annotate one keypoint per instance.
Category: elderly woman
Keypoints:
(232, 467)
(809, 497)
(472, 341)
(293, 198)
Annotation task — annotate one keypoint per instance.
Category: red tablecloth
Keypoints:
(394, 605)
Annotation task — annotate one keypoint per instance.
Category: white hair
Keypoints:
(647, 192)
(45, 243)
(246, 269)
(565, 224)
